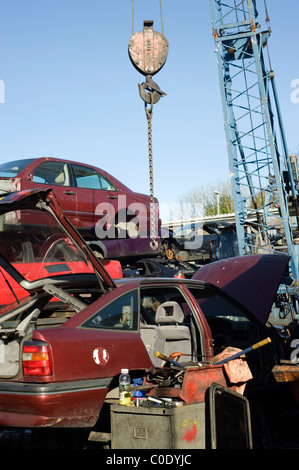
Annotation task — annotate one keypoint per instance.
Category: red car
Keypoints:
(96, 203)
(64, 343)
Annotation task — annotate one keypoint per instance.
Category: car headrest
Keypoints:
(169, 312)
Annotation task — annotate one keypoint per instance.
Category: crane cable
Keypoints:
(162, 27)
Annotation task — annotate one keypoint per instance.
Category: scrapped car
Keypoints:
(195, 241)
(64, 342)
(97, 204)
(159, 267)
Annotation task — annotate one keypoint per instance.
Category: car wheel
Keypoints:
(171, 251)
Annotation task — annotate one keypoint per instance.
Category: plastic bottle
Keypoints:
(124, 385)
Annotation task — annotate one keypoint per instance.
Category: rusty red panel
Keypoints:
(288, 373)
(195, 384)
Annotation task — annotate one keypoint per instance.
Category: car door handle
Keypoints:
(112, 197)
(69, 193)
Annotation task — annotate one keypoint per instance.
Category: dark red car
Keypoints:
(64, 341)
(96, 203)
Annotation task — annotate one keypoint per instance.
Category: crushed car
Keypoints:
(66, 333)
(194, 241)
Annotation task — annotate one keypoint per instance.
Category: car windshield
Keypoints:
(37, 247)
(12, 169)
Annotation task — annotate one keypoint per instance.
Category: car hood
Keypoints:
(251, 280)
(45, 201)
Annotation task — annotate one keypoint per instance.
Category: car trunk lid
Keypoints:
(25, 282)
(30, 199)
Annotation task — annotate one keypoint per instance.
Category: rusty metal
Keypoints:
(288, 373)
(153, 93)
(194, 384)
(153, 242)
(190, 384)
(148, 50)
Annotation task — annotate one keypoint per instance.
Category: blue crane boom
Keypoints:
(263, 175)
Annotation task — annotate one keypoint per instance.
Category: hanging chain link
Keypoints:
(148, 51)
(153, 234)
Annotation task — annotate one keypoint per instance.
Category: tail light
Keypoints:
(36, 358)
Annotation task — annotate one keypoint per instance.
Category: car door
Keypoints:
(122, 330)
(94, 199)
(56, 175)
(154, 297)
(107, 340)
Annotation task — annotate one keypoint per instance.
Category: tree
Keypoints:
(202, 201)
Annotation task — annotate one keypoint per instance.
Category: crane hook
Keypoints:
(153, 93)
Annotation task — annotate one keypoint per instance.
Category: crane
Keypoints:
(263, 175)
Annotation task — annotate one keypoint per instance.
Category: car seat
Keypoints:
(174, 337)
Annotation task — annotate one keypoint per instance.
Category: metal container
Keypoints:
(221, 421)
(156, 427)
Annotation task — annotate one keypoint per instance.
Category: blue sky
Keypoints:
(71, 90)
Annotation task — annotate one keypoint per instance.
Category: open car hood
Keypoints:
(251, 280)
(45, 202)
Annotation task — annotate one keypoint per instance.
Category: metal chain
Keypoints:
(154, 94)
(149, 115)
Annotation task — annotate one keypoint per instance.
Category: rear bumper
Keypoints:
(67, 404)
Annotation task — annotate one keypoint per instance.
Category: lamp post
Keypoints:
(217, 201)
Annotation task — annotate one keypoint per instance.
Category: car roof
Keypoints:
(114, 180)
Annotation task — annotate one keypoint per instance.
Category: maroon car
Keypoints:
(96, 203)
(64, 342)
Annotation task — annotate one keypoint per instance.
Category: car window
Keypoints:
(89, 178)
(229, 324)
(105, 184)
(86, 177)
(12, 169)
(151, 298)
(216, 306)
(53, 173)
(120, 314)
(153, 268)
